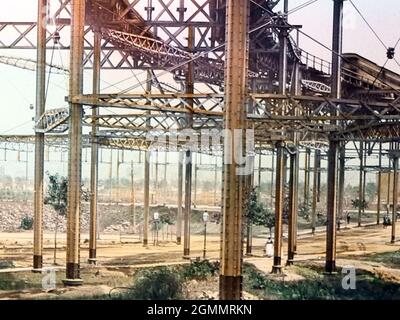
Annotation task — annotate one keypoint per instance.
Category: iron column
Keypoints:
(236, 68)
(307, 176)
(189, 87)
(188, 204)
(395, 195)
(75, 144)
(314, 194)
(146, 205)
(39, 136)
(293, 198)
(361, 184)
(95, 150)
(180, 191)
(342, 174)
(280, 154)
(330, 262)
(378, 206)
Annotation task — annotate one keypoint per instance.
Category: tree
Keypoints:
(257, 213)
(358, 204)
(57, 197)
(370, 190)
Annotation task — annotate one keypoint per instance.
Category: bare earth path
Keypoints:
(122, 258)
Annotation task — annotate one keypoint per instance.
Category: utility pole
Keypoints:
(39, 136)
(330, 261)
(236, 69)
(75, 144)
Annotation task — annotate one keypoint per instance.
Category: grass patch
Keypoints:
(390, 259)
(316, 286)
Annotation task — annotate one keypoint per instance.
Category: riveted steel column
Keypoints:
(361, 183)
(188, 204)
(180, 191)
(75, 144)
(146, 196)
(293, 206)
(235, 113)
(330, 261)
(39, 137)
(342, 173)
(189, 84)
(307, 176)
(133, 200)
(146, 209)
(395, 195)
(378, 206)
(279, 198)
(280, 156)
(315, 191)
(215, 180)
(95, 150)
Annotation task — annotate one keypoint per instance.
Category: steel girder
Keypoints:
(271, 111)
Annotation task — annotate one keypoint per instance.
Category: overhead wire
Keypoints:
(374, 32)
(346, 60)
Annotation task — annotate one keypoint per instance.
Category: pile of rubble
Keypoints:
(12, 213)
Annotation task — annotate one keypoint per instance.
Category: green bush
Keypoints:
(200, 270)
(26, 223)
(159, 284)
(7, 264)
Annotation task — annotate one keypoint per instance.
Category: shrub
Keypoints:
(26, 223)
(159, 284)
(200, 270)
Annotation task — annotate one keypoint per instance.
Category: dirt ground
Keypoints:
(119, 256)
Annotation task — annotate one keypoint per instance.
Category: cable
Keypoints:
(374, 32)
(302, 6)
(16, 127)
(346, 60)
(49, 74)
(369, 25)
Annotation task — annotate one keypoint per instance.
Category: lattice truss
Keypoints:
(153, 34)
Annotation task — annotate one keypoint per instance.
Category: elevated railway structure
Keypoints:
(236, 66)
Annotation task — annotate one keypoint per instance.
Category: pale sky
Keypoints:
(17, 87)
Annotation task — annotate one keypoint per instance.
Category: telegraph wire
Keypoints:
(346, 60)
